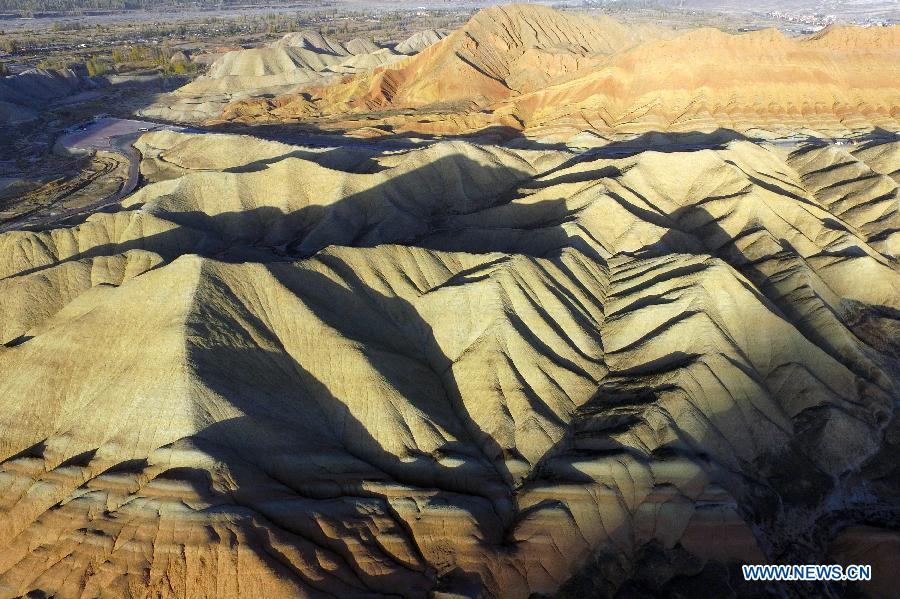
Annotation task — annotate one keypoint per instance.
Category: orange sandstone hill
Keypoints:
(847, 78)
(501, 52)
(552, 73)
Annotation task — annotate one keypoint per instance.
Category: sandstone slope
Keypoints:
(419, 41)
(287, 66)
(554, 75)
(461, 369)
(501, 51)
(761, 82)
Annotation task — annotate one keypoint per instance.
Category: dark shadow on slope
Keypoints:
(431, 206)
(669, 142)
(401, 346)
(308, 134)
(661, 141)
(877, 137)
(698, 223)
(298, 438)
(350, 159)
(790, 487)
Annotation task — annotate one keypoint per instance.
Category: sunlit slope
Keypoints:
(552, 74)
(842, 81)
(461, 369)
(288, 65)
(502, 51)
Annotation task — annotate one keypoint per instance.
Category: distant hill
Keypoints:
(535, 69)
(502, 51)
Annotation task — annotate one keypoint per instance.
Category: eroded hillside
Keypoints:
(459, 369)
(552, 75)
(289, 65)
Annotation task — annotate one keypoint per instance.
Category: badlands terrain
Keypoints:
(553, 307)
(294, 62)
(548, 74)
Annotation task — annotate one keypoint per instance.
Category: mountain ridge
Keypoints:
(361, 369)
(502, 70)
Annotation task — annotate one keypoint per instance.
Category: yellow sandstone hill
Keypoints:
(287, 66)
(444, 368)
(461, 370)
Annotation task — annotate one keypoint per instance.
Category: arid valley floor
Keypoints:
(540, 303)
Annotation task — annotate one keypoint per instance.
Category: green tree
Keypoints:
(9, 45)
(96, 67)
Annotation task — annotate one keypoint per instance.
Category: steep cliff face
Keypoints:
(457, 369)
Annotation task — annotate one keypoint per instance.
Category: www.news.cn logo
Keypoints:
(807, 572)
